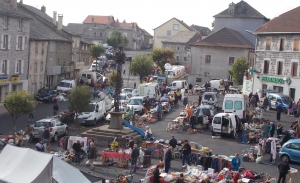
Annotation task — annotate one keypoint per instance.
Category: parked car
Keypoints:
(96, 112)
(56, 127)
(210, 95)
(127, 90)
(136, 103)
(276, 98)
(207, 110)
(123, 98)
(291, 150)
(47, 95)
(135, 92)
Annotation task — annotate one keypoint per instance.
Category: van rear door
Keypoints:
(234, 106)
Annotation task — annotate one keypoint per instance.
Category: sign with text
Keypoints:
(272, 79)
(2, 81)
(14, 79)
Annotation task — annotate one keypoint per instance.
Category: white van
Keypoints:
(178, 84)
(66, 85)
(226, 124)
(216, 84)
(235, 103)
(87, 76)
(95, 113)
(148, 89)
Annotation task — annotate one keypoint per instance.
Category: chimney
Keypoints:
(54, 17)
(60, 22)
(43, 9)
(13, 3)
(231, 8)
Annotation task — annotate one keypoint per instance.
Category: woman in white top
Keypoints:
(182, 93)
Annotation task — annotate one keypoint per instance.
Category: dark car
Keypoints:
(46, 95)
(2, 145)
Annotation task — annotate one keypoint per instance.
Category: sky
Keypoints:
(151, 14)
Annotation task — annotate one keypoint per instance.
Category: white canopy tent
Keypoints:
(24, 165)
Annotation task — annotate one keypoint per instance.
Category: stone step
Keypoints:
(132, 133)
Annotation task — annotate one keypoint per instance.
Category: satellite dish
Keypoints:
(168, 66)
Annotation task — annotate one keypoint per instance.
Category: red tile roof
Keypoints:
(97, 19)
(286, 22)
(118, 24)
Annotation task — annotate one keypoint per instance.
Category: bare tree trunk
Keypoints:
(14, 128)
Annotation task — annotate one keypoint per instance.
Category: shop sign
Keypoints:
(272, 79)
(2, 81)
(14, 79)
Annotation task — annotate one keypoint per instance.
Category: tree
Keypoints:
(97, 50)
(212, 28)
(113, 77)
(117, 39)
(18, 103)
(238, 69)
(141, 66)
(79, 100)
(161, 56)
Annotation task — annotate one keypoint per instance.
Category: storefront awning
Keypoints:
(4, 84)
(17, 83)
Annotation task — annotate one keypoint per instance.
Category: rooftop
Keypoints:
(205, 31)
(7, 9)
(182, 23)
(76, 27)
(90, 19)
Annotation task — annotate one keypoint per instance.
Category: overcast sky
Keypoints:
(152, 13)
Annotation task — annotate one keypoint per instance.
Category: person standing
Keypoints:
(134, 85)
(55, 108)
(283, 169)
(158, 109)
(124, 70)
(296, 127)
(168, 159)
(236, 162)
(279, 129)
(278, 111)
(256, 98)
(265, 130)
(173, 144)
(266, 103)
(186, 151)
(92, 155)
(290, 111)
(77, 149)
(46, 136)
(200, 99)
(182, 92)
(250, 96)
(131, 143)
(298, 108)
(185, 100)
(134, 156)
(272, 129)
(179, 94)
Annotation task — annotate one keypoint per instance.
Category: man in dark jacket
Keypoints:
(200, 99)
(55, 109)
(77, 149)
(278, 111)
(46, 136)
(283, 169)
(168, 159)
(173, 144)
(134, 156)
(92, 155)
(272, 129)
(186, 151)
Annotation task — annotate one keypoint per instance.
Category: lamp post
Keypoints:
(252, 69)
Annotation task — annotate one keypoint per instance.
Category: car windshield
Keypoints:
(127, 90)
(91, 108)
(64, 84)
(207, 97)
(122, 97)
(206, 111)
(135, 101)
(286, 100)
(42, 124)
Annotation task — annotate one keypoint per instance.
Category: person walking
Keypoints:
(200, 99)
(186, 151)
(92, 156)
(173, 144)
(236, 162)
(185, 100)
(55, 109)
(265, 130)
(168, 159)
(158, 109)
(291, 110)
(272, 129)
(77, 149)
(283, 169)
(134, 156)
(265, 103)
(296, 127)
(182, 93)
(134, 85)
(46, 136)
(256, 98)
(124, 70)
(278, 111)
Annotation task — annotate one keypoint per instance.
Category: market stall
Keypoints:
(121, 155)
(65, 116)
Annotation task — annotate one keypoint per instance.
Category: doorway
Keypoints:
(264, 87)
(292, 93)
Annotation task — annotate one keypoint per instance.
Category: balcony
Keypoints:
(79, 65)
(65, 69)
(53, 70)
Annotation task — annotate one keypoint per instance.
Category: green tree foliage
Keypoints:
(212, 28)
(18, 103)
(97, 50)
(141, 66)
(238, 69)
(79, 100)
(113, 77)
(161, 56)
(117, 39)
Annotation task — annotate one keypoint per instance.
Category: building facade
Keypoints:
(240, 17)
(278, 55)
(14, 48)
(167, 30)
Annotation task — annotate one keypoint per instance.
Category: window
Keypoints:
(266, 66)
(168, 33)
(82, 47)
(177, 47)
(35, 67)
(296, 45)
(231, 60)
(278, 89)
(18, 66)
(5, 41)
(51, 46)
(228, 104)
(198, 79)
(64, 61)
(42, 66)
(36, 47)
(294, 69)
(207, 59)
(20, 24)
(281, 48)
(95, 33)
(217, 120)
(58, 61)
(4, 67)
(19, 43)
(268, 44)
(184, 59)
(295, 146)
(237, 105)
(5, 22)
(43, 45)
(279, 67)
(177, 58)
(100, 34)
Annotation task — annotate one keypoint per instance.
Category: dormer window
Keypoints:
(5, 22)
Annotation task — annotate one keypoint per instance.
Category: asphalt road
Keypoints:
(223, 146)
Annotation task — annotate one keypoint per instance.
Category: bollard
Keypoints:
(244, 137)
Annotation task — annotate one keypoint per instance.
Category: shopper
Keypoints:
(185, 101)
(168, 159)
(92, 155)
(200, 99)
(173, 144)
(296, 127)
(180, 179)
(134, 156)
(46, 136)
(77, 149)
(55, 109)
(266, 103)
(186, 151)
(265, 130)
(279, 111)
(236, 162)
(40, 146)
(291, 109)
(279, 129)
(272, 129)
(158, 110)
(283, 169)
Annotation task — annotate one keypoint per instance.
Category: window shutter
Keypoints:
(16, 65)
(7, 66)
(1, 66)
(9, 36)
(17, 43)
(1, 40)
(22, 67)
(23, 42)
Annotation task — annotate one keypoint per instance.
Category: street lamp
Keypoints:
(252, 69)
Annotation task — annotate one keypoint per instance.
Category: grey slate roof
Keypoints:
(182, 37)
(225, 38)
(76, 27)
(7, 9)
(203, 30)
(242, 10)
(39, 30)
